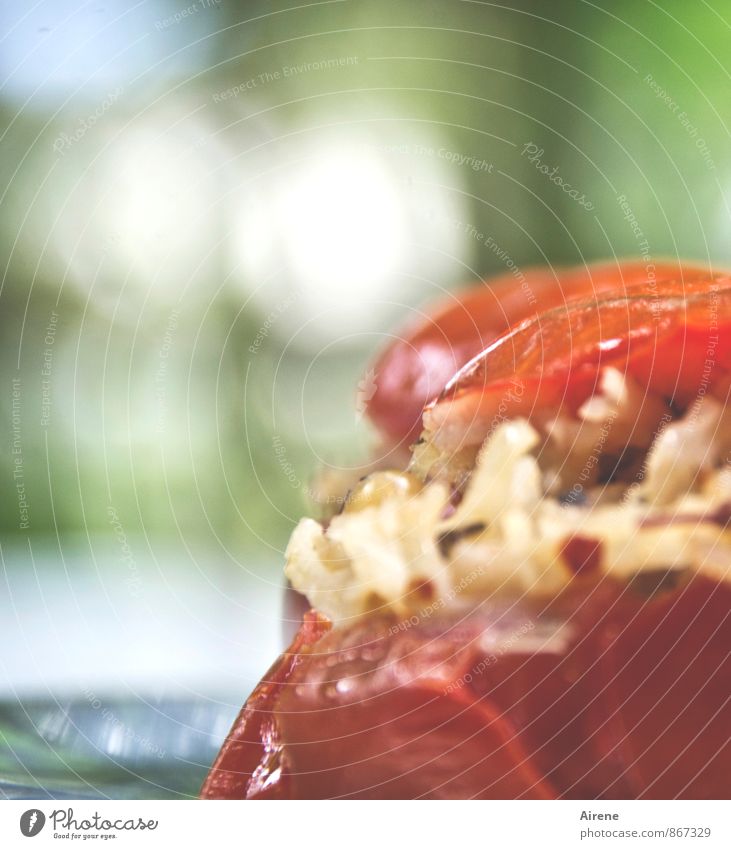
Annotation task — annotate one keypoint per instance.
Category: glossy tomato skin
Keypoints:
(414, 368)
(254, 746)
(676, 345)
(603, 692)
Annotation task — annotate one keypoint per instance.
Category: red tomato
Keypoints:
(414, 369)
(603, 694)
(675, 344)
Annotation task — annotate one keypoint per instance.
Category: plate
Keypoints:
(106, 749)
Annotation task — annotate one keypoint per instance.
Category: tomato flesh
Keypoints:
(414, 369)
(674, 346)
(603, 693)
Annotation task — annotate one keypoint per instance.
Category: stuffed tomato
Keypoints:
(539, 605)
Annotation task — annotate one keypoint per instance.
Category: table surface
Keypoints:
(120, 678)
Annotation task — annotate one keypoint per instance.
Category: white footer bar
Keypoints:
(375, 825)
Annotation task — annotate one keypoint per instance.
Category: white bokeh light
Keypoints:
(131, 229)
(344, 232)
(341, 213)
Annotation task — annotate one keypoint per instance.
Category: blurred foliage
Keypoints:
(191, 452)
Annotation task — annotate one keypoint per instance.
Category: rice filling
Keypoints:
(628, 487)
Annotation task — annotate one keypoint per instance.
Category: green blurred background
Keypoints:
(193, 208)
(213, 214)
